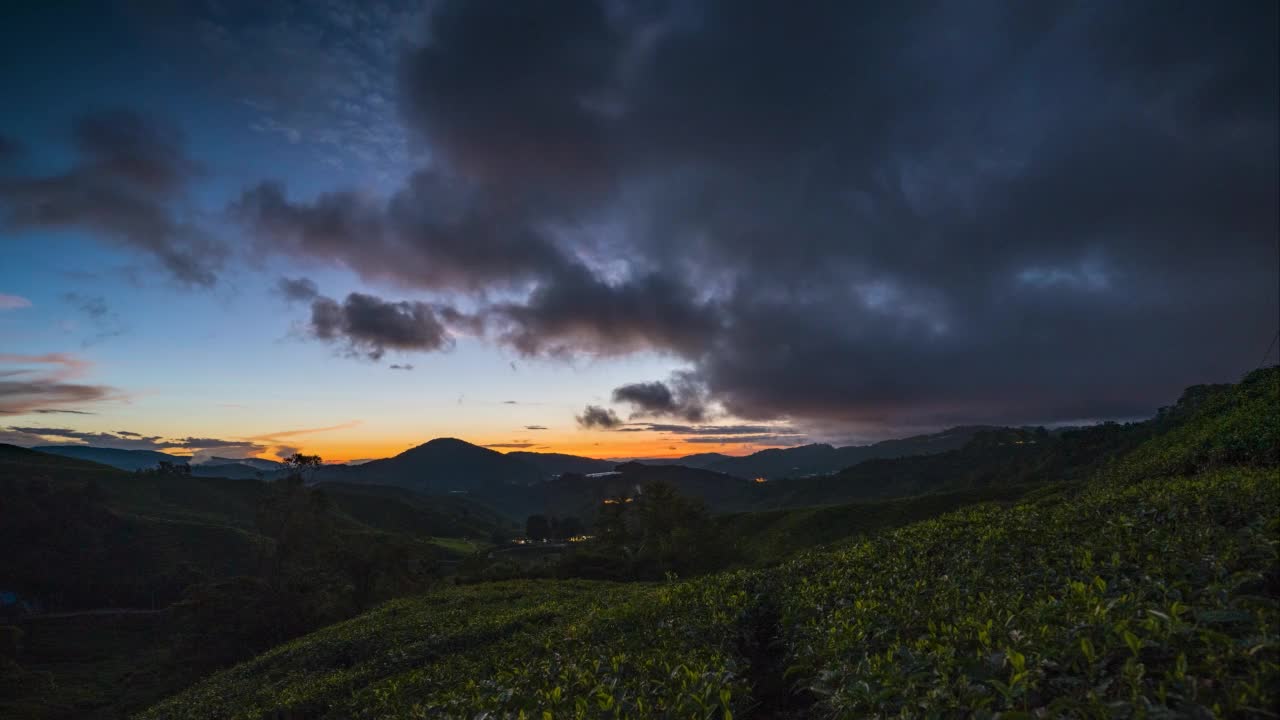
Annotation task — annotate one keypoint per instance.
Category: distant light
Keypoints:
(762, 479)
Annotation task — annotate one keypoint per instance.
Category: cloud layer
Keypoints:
(855, 219)
(127, 184)
(867, 218)
(126, 440)
(43, 384)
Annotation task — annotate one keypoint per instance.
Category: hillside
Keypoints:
(443, 465)
(103, 519)
(28, 460)
(1143, 589)
(581, 495)
(696, 460)
(821, 459)
(769, 536)
(1121, 568)
(233, 470)
(552, 464)
(116, 458)
(255, 463)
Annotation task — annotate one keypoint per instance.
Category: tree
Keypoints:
(537, 527)
(656, 532)
(299, 465)
(568, 527)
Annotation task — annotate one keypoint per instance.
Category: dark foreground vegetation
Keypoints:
(1127, 571)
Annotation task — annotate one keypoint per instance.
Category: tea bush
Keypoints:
(531, 649)
(1152, 591)
(1142, 600)
(1147, 600)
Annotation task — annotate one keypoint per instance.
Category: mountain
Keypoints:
(16, 461)
(255, 463)
(782, 462)
(697, 460)
(238, 471)
(822, 459)
(443, 465)
(552, 464)
(116, 458)
(1158, 501)
(123, 537)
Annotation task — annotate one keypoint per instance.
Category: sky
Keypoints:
(625, 229)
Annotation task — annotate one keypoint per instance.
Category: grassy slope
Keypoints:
(199, 515)
(1146, 591)
(774, 535)
(97, 666)
(89, 667)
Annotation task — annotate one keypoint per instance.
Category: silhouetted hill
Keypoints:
(697, 460)
(255, 463)
(116, 458)
(239, 471)
(1178, 506)
(15, 460)
(552, 464)
(822, 459)
(443, 465)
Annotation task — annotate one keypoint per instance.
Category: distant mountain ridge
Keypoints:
(114, 457)
(255, 463)
(552, 464)
(697, 460)
(822, 458)
(443, 465)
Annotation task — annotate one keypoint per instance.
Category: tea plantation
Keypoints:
(1152, 591)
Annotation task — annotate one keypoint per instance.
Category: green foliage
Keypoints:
(1139, 599)
(515, 649)
(1149, 590)
(654, 534)
(771, 536)
(1213, 426)
(89, 667)
(314, 572)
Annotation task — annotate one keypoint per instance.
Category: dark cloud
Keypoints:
(767, 439)
(57, 411)
(128, 185)
(774, 430)
(682, 396)
(125, 440)
(297, 289)
(594, 416)
(529, 108)
(535, 427)
(514, 445)
(579, 313)
(18, 397)
(369, 326)
(858, 218)
(435, 233)
(36, 382)
(397, 366)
